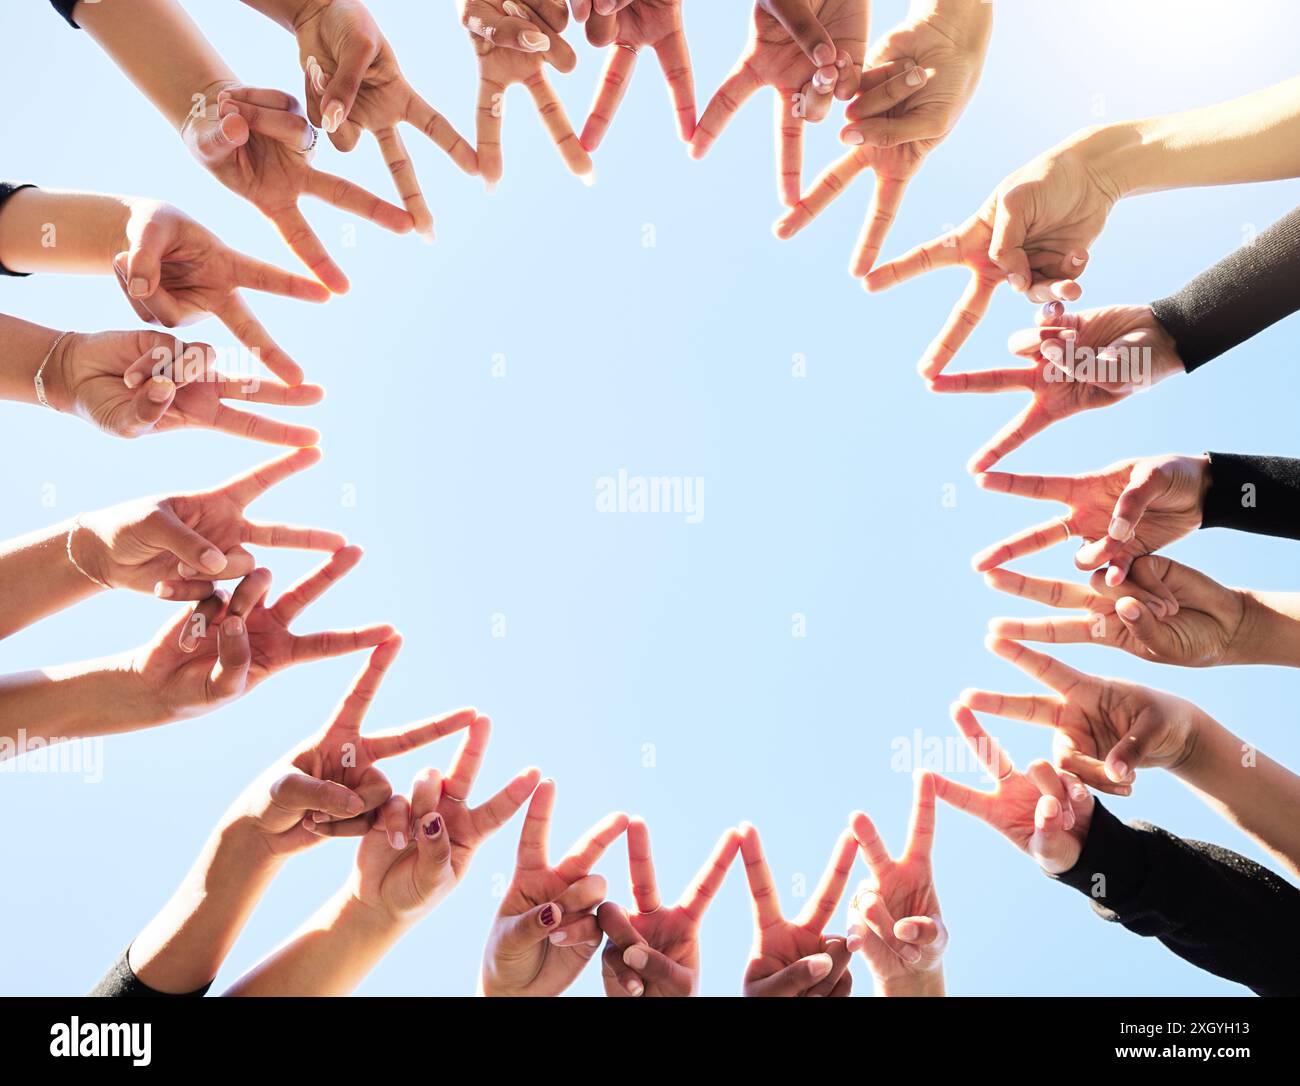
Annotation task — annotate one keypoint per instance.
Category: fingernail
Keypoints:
(853, 943)
(433, 828)
(1078, 793)
(1120, 530)
(317, 817)
(634, 986)
(1077, 260)
(399, 840)
(558, 937)
(234, 626)
(354, 805)
(133, 379)
(547, 916)
(515, 11)
(636, 957)
(1129, 609)
(213, 560)
(915, 77)
(160, 390)
(534, 41)
(1120, 771)
(1053, 309)
(588, 178)
(906, 931)
(184, 570)
(824, 54)
(138, 287)
(316, 75)
(163, 591)
(426, 236)
(1017, 281)
(819, 965)
(910, 954)
(853, 138)
(332, 116)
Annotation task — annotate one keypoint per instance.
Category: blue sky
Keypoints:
(648, 664)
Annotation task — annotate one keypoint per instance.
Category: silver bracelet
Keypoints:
(72, 529)
(39, 380)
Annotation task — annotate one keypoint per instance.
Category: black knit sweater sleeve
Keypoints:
(120, 982)
(64, 8)
(1210, 906)
(7, 189)
(1259, 494)
(1239, 297)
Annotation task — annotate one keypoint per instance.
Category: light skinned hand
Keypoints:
(174, 272)
(623, 31)
(1132, 508)
(894, 916)
(130, 384)
(1105, 729)
(1044, 811)
(916, 83)
(254, 140)
(513, 41)
(330, 784)
(546, 932)
(1165, 611)
(224, 646)
(177, 546)
(420, 847)
(794, 957)
(654, 950)
(810, 53)
(354, 84)
(1033, 232)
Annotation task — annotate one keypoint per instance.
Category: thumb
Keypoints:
(1145, 485)
(653, 965)
(166, 531)
(794, 979)
(1141, 622)
(149, 403)
(1055, 850)
(341, 89)
(1006, 245)
(144, 259)
(433, 855)
(1132, 751)
(519, 933)
(804, 27)
(212, 141)
(230, 675)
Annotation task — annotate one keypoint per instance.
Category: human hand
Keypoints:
(1165, 611)
(1077, 361)
(629, 25)
(330, 784)
(916, 83)
(173, 272)
(809, 52)
(258, 143)
(546, 932)
(1105, 729)
(1132, 508)
(177, 546)
(654, 950)
(419, 848)
(353, 83)
(1034, 232)
(1044, 811)
(129, 384)
(793, 957)
(513, 40)
(894, 916)
(226, 645)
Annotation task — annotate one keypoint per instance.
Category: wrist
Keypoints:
(371, 920)
(1165, 359)
(966, 22)
(912, 985)
(1201, 732)
(58, 375)
(1265, 635)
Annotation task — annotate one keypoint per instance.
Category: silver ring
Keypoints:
(311, 147)
(624, 45)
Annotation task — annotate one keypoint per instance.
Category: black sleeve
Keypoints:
(1239, 297)
(120, 982)
(64, 8)
(1259, 494)
(1212, 907)
(7, 189)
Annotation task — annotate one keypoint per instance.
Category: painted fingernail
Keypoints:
(138, 287)
(915, 77)
(332, 116)
(547, 916)
(316, 75)
(853, 138)
(1120, 530)
(433, 828)
(213, 560)
(636, 957)
(1017, 281)
(160, 390)
(819, 965)
(534, 41)
(514, 10)
(399, 840)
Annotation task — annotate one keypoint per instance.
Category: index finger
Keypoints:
(531, 855)
(589, 848)
(290, 605)
(437, 128)
(397, 741)
(1046, 669)
(826, 898)
(708, 880)
(356, 702)
(641, 867)
(408, 185)
(987, 751)
(767, 908)
(302, 239)
(469, 758)
(347, 196)
(941, 252)
(557, 124)
(1029, 541)
(961, 322)
(236, 316)
(247, 488)
(833, 181)
(872, 845)
(267, 278)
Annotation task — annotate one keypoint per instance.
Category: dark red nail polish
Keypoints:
(548, 916)
(434, 827)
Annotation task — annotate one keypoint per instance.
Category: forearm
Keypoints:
(38, 576)
(330, 955)
(46, 230)
(1252, 138)
(1247, 787)
(161, 50)
(73, 701)
(183, 947)
(288, 13)
(23, 347)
